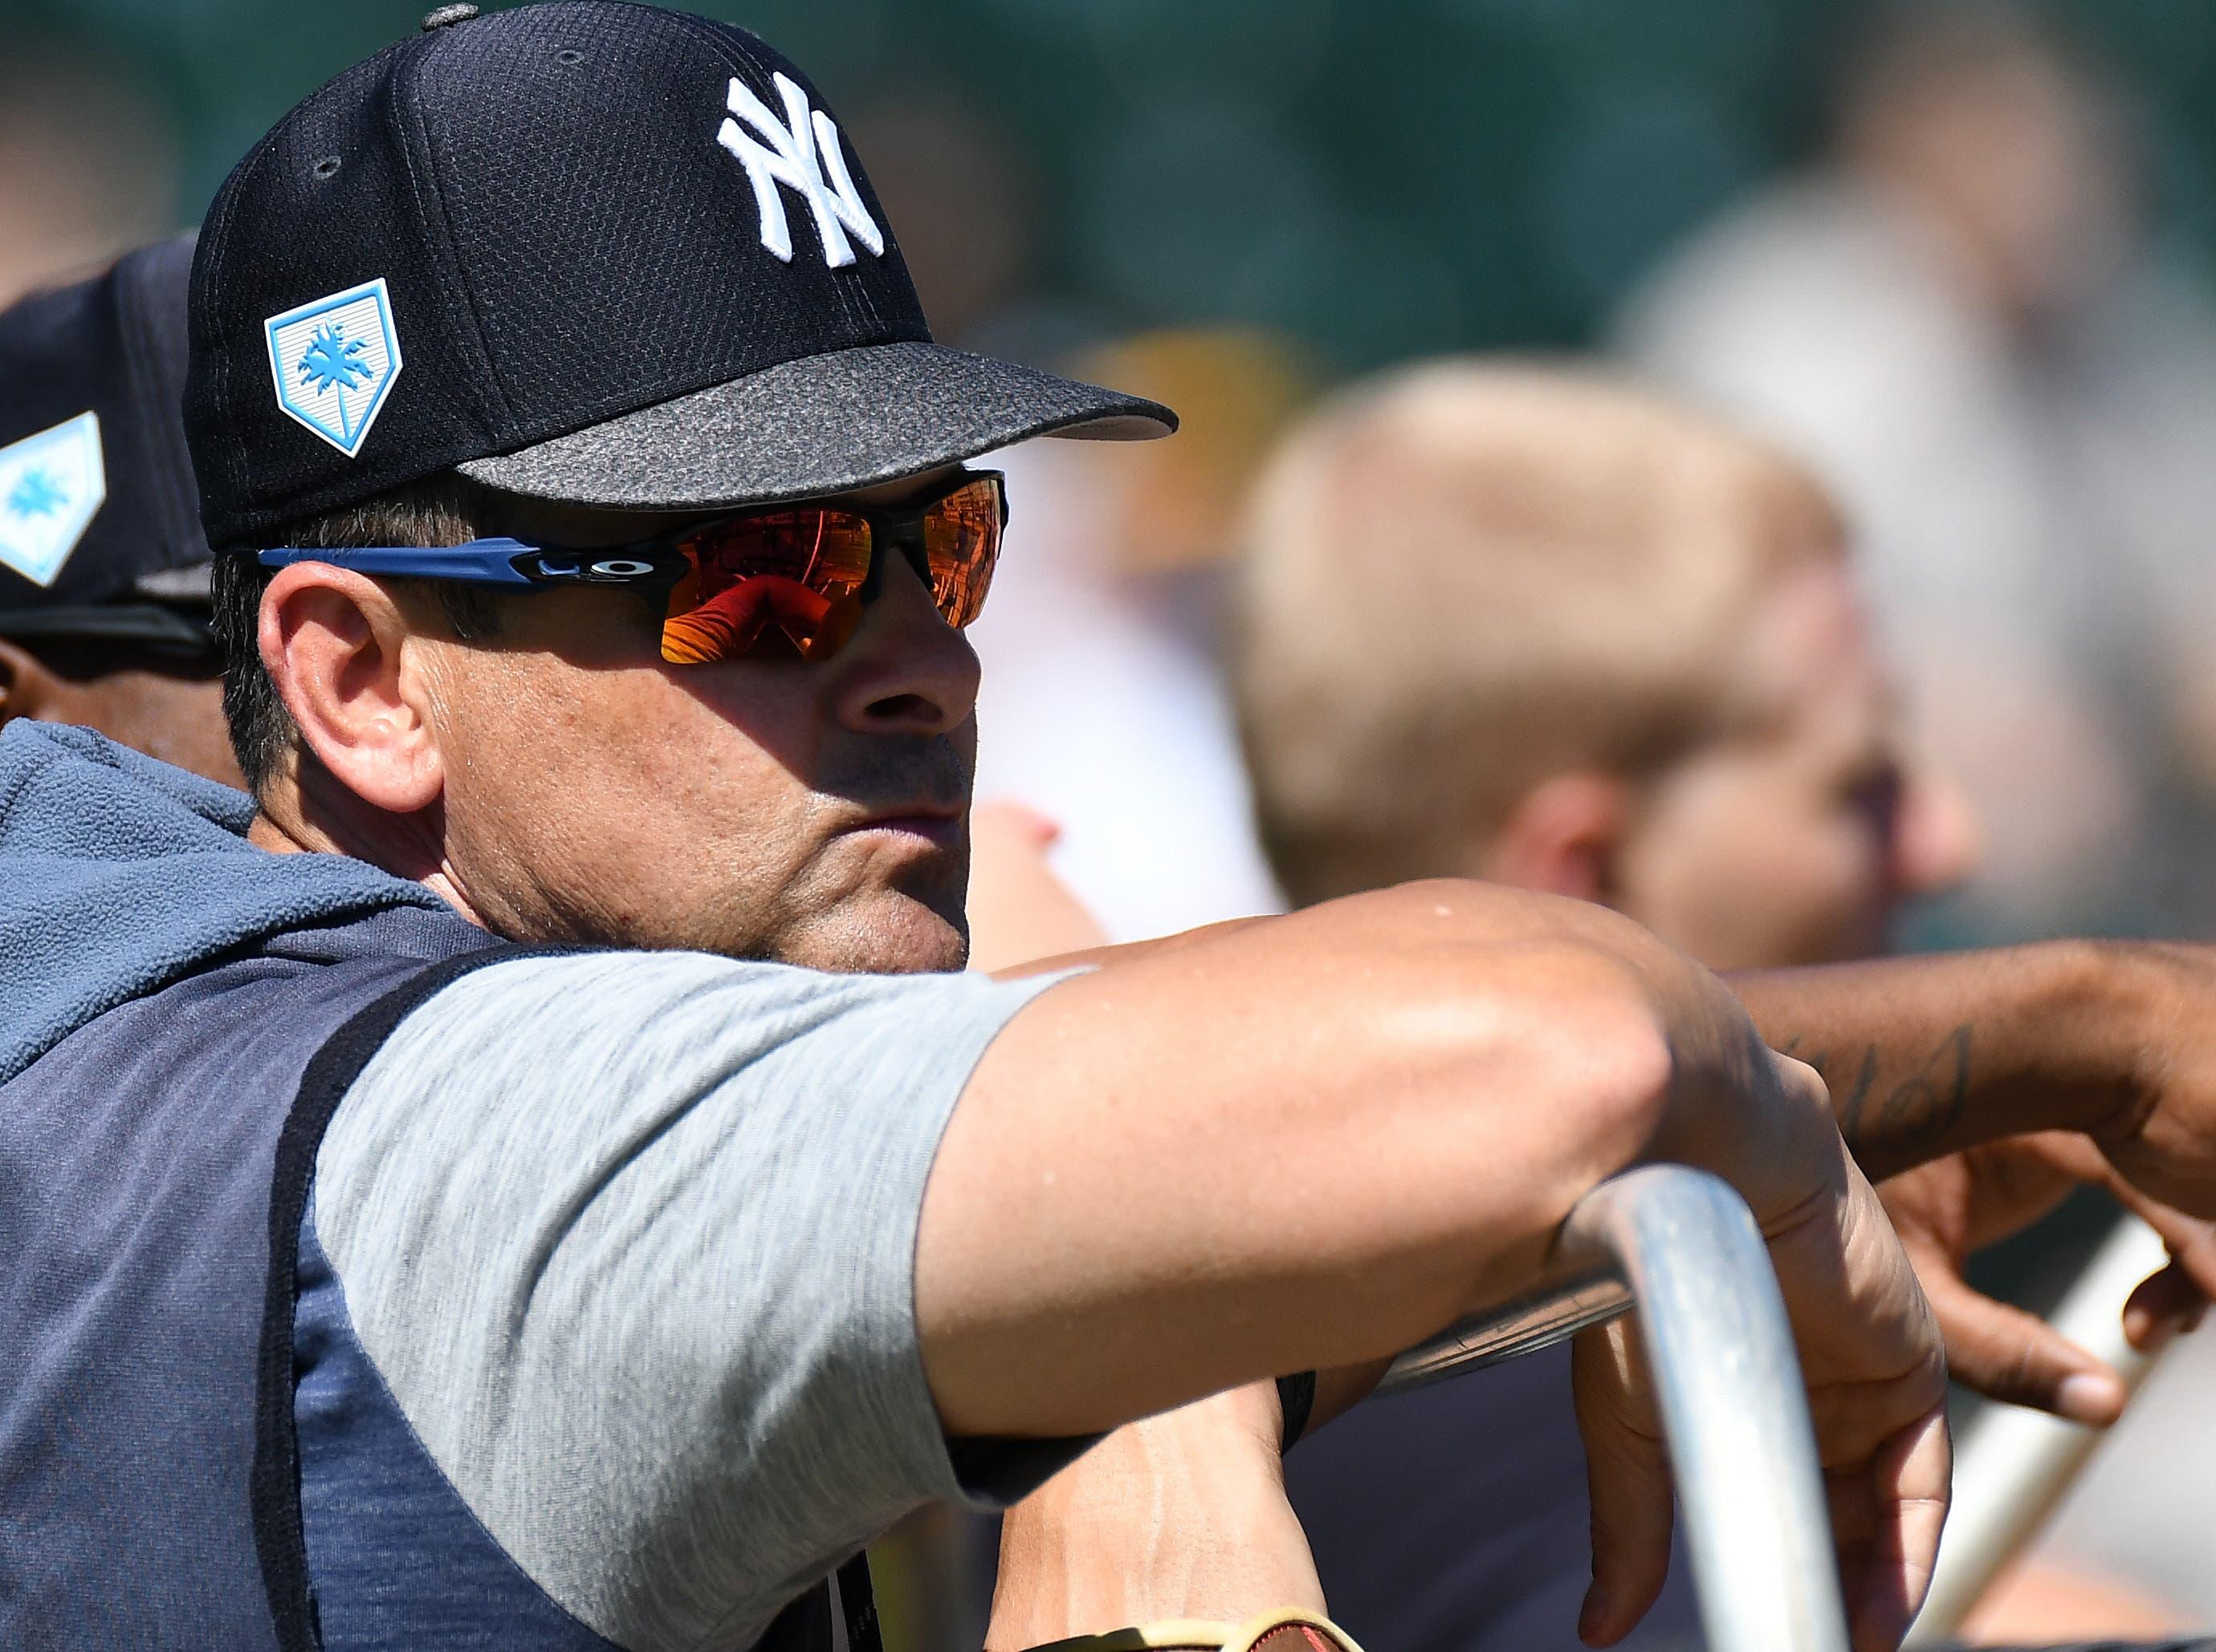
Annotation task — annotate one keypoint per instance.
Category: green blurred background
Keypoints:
(1472, 173)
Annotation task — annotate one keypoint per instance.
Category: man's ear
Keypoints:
(28, 689)
(336, 646)
(1564, 837)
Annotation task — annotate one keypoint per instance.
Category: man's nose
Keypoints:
(905, 671)
(1936, 840)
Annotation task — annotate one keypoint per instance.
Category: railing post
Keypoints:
(1678, 1245)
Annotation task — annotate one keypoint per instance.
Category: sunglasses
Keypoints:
(788, 579)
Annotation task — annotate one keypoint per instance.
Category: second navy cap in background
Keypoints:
(99, 534)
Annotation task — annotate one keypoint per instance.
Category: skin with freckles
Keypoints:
(562, 782)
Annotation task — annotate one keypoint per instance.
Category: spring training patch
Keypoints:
(52, 485)
(334, 360)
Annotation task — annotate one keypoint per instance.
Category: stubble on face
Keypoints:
(596, 796)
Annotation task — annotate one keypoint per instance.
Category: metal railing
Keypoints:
(2012, 1465)
(1679, 1245)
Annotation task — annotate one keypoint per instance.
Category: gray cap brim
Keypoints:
(823, 424)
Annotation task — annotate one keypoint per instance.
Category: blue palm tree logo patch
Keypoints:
(38, 493)
(52, 485)
(334, 360)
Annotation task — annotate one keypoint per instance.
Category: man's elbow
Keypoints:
(1598, 1068)
(1536, 1071)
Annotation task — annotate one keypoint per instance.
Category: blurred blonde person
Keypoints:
(1535, 627)
(1543, 629)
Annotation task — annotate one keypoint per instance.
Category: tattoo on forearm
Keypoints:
(1920, 1107)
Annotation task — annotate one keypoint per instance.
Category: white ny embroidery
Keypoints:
(803, 150)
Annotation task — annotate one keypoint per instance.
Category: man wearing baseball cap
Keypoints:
(103, 573)
(533, 1178)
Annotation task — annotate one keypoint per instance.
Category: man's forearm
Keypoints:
(1182, 1516)
(1924, 1056)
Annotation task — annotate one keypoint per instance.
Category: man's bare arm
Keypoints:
(1310, 1141)
(1304, 1142)
(1280, 1132)
(1924, 1056)
(1181, 1515)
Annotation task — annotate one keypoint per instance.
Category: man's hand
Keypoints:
(2163, 1138)
(1869, 1351)
(1954, 1206)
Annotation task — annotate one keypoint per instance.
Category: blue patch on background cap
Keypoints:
(334, 360)
(52, 485)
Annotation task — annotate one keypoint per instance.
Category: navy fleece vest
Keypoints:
(194, 1451)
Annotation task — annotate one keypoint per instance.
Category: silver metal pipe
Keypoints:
(2013, 1466)
(1680, 1244)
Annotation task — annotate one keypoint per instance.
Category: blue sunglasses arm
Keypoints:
(481, 562)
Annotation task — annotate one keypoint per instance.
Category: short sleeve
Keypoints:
(631, 1238)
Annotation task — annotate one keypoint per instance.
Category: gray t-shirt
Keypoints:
(631, 1238)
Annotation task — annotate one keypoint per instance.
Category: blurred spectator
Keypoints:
(88, 169)
(1504, 623)
(1102, 705)
(1533, 627)
(1957, 321)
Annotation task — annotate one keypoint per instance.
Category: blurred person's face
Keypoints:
(2018, 159)
(87, 165)
(1794, 841)
(176, 716)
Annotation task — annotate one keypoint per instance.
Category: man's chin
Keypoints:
(884, 933)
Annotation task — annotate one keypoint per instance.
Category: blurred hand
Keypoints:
(1870, 1352)
(1952, 1207)
(1018, 909)
(2161, 1137)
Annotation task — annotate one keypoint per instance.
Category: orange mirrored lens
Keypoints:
(793, 579)
(961, 541)
(789, 575)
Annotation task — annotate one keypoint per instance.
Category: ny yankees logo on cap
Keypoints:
(593, 217)
(52, 485)
(334, 359)
(795, 142)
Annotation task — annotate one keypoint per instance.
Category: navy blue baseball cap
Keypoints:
(99, 533)
(586, 251)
